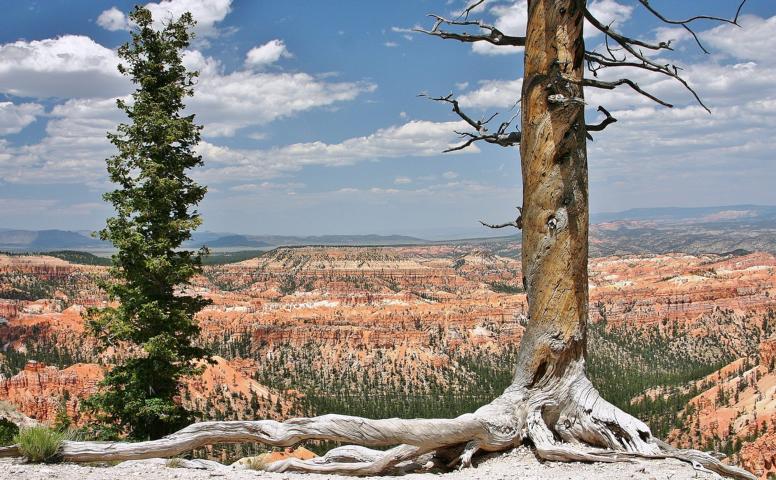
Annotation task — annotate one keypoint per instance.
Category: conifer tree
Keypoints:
(155, 213)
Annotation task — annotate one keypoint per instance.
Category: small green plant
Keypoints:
(40, 444)
(8, 430)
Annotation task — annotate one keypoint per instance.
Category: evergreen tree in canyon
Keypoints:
(550, 405)
(155, 214)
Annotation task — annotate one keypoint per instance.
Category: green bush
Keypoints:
(40, 444)
(8, 430)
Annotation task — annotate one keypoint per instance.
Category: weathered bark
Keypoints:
(555, 211)
(550, 404)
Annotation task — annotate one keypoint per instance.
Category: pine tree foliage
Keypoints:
(155, 214)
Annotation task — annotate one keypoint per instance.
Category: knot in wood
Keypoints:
(560, 99)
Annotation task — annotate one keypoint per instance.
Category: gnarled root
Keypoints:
(565, 419)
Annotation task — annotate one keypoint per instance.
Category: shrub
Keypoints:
(40, 444)
(8, 430)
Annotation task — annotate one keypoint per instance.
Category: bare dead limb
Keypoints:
(685, 23)
(499, 137)
(596, 61)
(589, 82)
(608, 119)
(517, 223)
(493, 36)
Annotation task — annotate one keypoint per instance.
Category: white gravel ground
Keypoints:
(517, 464)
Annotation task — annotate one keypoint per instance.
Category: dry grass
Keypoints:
(174, 462)
(254, 463)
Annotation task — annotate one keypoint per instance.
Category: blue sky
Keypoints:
(313, 124)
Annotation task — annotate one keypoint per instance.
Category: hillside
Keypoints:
(414, 331)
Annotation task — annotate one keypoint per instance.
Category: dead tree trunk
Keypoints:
(555, 207)
(550, 404)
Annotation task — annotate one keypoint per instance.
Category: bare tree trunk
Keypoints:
(550, 404)
(555, 201)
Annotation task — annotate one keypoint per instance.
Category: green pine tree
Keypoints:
(155, 214)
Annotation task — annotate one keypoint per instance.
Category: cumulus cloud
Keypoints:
(65, 67)
(415, 138)
(493, 94)
(512, 19)
(263, 55)
(753, 41)
(13, 118)
(73, 150)
(75, 147)
(227, 102)
(608, 12)
(113, 19)
(206, 12)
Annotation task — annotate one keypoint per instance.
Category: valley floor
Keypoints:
(517, 464)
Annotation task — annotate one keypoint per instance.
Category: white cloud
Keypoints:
(754, 41)
(13, 118)
(402, 180)
(73, 150)
(225, 103)
(64, 67)
(113, 19)
(206, 12)
(510, 19)
(415, 138)
(450, 175)
(270, 52)
(608, 12)
(263, 186)
(500, 94)
(75, 145)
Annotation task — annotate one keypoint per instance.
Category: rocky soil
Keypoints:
(517, 464)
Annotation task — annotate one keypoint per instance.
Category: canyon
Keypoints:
(422, 331)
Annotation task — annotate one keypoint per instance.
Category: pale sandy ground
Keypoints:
(517, 464)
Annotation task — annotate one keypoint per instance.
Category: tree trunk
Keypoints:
(555, 201)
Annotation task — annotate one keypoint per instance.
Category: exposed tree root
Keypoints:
(564, 419)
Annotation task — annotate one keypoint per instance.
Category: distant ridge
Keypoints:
(45, 240)
(725, 213)
(634, 223)
(54, 240)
